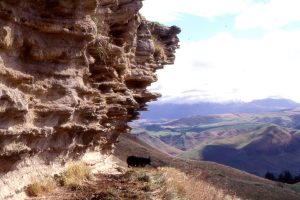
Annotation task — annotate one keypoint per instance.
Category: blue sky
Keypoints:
(192, 26)
(196, 28)
(230, 50)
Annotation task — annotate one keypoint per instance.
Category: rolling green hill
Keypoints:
(255, 143)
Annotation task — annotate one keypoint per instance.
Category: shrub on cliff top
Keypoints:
(159, 49)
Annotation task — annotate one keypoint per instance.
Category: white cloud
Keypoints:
(250, 14)
(224, 67)
(272, 15)
(232, 68)
(168, 10)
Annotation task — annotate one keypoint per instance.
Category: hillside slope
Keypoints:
(256, 143)
(174, 177)
(242, 184)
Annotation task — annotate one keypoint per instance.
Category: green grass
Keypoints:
(295, 187)
(197, 133)
(194, 154)
(163, 133)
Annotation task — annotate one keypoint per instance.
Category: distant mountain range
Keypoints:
(253, 142)
(176, 111)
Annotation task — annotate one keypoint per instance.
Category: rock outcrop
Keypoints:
(73, 73)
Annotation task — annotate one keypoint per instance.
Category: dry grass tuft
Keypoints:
(75, 174)
(143, 177)
(102, 26)
(176, 185)
(41, 186)
(159, 49)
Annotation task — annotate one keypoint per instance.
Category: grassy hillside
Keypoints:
(256, 143)
(168, 178)
(235, 183)
(157, 143)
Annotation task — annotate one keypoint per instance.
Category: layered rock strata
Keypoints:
(73, 73)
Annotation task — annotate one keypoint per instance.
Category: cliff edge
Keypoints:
(72, 75)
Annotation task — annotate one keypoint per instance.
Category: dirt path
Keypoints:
(128, 186)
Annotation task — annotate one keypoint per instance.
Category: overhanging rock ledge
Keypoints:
(73, 73)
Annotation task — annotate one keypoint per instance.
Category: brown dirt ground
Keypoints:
(105, 187)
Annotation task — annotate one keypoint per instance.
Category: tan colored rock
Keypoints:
(72, 74)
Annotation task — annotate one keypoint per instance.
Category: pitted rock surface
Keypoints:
(73, 73)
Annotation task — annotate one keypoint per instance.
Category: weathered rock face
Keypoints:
(73, 73)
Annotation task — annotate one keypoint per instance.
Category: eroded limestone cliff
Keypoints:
(73, 73)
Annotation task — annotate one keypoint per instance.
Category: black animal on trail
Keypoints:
(134, 161)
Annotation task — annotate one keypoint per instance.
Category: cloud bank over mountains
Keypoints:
(232, 64)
